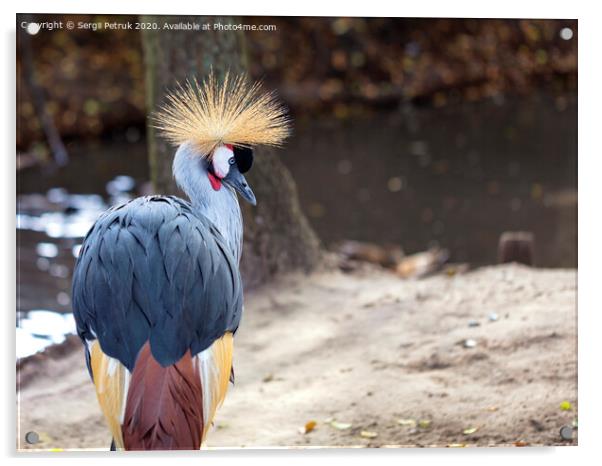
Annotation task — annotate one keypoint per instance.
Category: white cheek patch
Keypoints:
(220, 158)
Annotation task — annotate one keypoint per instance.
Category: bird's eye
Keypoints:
(244, 158)
(231, 161)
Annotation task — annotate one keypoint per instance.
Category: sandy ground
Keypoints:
(368, 349)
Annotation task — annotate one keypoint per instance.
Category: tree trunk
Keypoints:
(278, 237)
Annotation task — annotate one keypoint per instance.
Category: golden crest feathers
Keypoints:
(211, 113)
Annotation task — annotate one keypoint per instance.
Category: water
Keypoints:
(457, 177)
(38, 329)
(50, 229)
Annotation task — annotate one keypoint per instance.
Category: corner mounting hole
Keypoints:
(32, 438)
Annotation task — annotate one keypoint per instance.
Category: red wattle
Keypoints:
(216, 183)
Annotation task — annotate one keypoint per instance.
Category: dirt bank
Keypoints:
(370, 350)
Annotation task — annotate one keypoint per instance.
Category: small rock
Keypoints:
(493, 317)
(473, 323)
(470, 343)
(341, 425)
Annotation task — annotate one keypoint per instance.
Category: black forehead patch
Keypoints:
(244, 158)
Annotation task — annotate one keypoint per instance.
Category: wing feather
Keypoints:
(215, 365)
(111, 380)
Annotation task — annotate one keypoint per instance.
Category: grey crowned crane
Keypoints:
(157, 293)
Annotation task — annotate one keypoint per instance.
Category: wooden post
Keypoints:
(516, 246)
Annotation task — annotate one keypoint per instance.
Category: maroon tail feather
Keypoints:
(164, 407)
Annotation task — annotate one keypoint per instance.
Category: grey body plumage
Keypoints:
(154, 269)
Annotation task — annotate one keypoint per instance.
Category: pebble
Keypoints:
(473, 323)
(493, 317)
(470, 343)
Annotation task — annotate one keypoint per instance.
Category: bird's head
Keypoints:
(220, 122)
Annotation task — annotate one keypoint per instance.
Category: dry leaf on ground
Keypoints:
(308, 427)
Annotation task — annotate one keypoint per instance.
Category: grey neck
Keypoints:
(221, 207)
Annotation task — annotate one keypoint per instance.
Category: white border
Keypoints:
(590, 233)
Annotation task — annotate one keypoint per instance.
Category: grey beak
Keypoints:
(237, 181)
